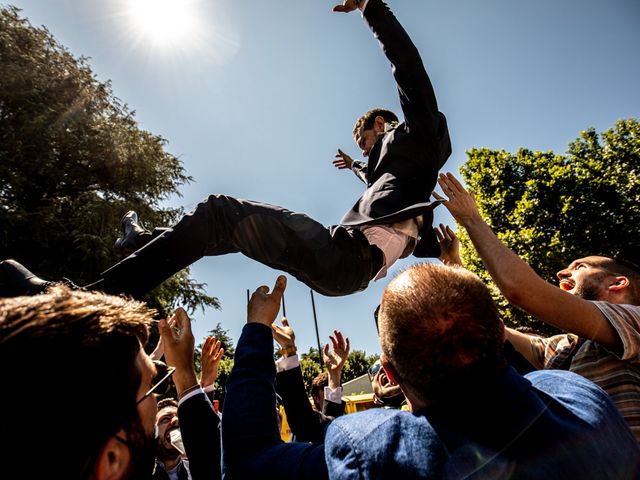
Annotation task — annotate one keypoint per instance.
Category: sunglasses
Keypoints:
(161, 383)
(374, 369)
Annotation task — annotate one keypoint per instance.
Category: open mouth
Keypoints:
(566, 285)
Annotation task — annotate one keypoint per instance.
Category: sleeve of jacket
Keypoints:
(417, 98)
(306, 424)
(250, 435)
(199, 425)
(332, 410)
(360, 169)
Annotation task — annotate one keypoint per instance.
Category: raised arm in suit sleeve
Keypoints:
(199, 425)
(250, 436)
(306, 424)
(417, 98)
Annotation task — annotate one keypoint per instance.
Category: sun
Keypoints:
(163, 22)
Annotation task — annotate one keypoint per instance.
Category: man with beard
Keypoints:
(597, 304)
(79, 387)
(169, 463)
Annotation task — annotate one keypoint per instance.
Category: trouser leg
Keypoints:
(334, 261)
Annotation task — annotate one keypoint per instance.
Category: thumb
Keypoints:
(437, 195)
(278, 288)
(339, 8)
(183, 319)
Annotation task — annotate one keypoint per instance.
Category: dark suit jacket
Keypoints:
(307, 424)
(403, 164)
(199, 425)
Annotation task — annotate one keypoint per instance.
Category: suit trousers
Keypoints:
(334, 261)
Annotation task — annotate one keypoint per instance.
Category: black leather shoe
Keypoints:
(131, 231)
(16, 280)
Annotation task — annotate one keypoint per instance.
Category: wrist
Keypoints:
(288, 350)
(334, 380)
(184, 380)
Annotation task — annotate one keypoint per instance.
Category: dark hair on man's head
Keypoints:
(317, 387)
(618, 266)
(438, 326)
(71, 377)
(366, 121)
(167, 402)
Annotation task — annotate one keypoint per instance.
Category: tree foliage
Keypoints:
(551, 209)
(72, 160)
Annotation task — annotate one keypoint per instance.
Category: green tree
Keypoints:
(358, 363)
(226, 363)
(72, 160)
(551, 209)
(310, 367)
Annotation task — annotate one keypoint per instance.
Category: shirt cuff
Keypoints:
(333, 395)
(190, 392)
(287, 363)
(209, 388)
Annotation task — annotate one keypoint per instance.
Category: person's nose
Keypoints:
(565, 273)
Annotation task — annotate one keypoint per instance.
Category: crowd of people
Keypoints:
(458, 394)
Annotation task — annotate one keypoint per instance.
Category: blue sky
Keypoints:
(257, 95)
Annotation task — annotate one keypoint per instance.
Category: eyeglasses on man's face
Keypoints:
(161, 383)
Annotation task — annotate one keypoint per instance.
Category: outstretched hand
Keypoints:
(179, 345)
(460, 203)
(347, 6)
(342, 160)
(336, 358)
(284, 335)
(212, 352)
(264, 306)
(449, 246)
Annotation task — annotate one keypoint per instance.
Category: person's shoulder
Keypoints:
(383, 442)
(579, 395)
(606, 307)
(551, 381)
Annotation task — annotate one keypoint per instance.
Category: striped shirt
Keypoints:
(617, 373)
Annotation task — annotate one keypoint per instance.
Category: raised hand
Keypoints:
(342, 160)
(460, 203)
(347, 6)
(264, 306)
(336, 358)
(178, 348)
(284, 335)
(449, 246)
(212, 352)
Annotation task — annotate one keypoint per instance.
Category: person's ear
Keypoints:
(619, 284)
(378, 124)
(113, 460)
(390, 370)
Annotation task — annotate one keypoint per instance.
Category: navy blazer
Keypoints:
(199, 425)
(306, 423)
(403, 165)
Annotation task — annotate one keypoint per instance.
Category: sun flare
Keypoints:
(164, 22)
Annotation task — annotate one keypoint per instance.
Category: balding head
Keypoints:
(439, 324)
